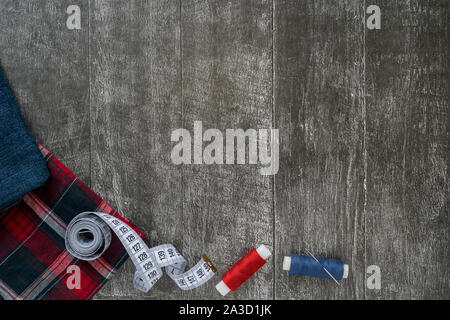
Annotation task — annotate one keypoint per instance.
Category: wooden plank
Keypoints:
(135, 103)
(408, 150)
(227, 84)
(47, 67)
(318, 78)
(363, 118)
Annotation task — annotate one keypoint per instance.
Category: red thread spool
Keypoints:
(243, 270)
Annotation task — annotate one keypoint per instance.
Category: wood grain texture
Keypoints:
(363, 116)
(318, 109)
(47, 67)
(135, 103)
(408, 151)
(227, 84)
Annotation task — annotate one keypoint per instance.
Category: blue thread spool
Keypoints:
(307, 266)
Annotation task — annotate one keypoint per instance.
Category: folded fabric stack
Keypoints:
(34, 262)
(22, 168)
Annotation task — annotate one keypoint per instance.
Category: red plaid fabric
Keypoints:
(33, 257)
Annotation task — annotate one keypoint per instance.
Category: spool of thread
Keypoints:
(243, 270)
(307, 266)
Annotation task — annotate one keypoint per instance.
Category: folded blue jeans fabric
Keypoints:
(22, 167)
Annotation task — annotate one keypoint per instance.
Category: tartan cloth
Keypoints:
(33, 257)
(22, 168)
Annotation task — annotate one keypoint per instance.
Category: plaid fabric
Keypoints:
(33, 257)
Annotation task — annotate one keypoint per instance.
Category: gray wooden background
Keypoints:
(363, 117)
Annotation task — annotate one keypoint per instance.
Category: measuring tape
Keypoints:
(88, 236)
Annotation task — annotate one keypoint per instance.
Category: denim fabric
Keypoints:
(22, 166)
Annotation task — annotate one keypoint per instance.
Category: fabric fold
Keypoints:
(34, 262)
(22, 167)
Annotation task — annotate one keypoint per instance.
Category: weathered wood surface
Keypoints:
(47, 68)
(363, 118)
(226, 83)
(135, 101)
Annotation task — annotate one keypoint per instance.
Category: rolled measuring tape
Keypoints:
(321, 268)
(88, 236)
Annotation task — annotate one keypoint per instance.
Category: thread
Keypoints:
(307, 266)
(87, 237)
(243, 269)
(89, 234)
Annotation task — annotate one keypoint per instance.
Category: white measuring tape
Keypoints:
(88, 236)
